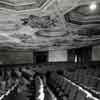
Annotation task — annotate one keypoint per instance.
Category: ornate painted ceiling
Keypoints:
(49, 24)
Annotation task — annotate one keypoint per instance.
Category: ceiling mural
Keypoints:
(41, 22)
(49, 24)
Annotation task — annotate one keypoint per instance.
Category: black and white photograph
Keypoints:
(49, 49)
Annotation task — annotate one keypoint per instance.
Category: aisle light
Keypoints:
(75, 58)
(41, 91)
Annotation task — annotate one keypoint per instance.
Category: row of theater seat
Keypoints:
(82, 77)
(67, 90)
(30, 83)
(24, 77)
(12, 91)
(8, 78)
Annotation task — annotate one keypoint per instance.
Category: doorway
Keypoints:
(40, 57)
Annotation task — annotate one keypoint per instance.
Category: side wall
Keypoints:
(16, 57)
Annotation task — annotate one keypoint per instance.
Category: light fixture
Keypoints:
(76, 58)
(93, 6)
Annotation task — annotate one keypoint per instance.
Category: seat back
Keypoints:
(73, 92)
(98, 86)
(81, 95)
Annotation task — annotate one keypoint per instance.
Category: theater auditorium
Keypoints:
(49, 49)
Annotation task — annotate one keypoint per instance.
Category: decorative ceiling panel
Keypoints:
(21, 2)
(19, 5)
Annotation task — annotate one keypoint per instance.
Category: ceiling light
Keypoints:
(93, 6)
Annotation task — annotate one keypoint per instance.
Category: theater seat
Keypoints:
(90, 98)
(76, 75)
(80, 95)
(93, 82)
(73, 92)
(60, 82)
(20, 96)
(86, 80)
(98, 86)
(63, 85)
(64, 98)
(67, 89)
